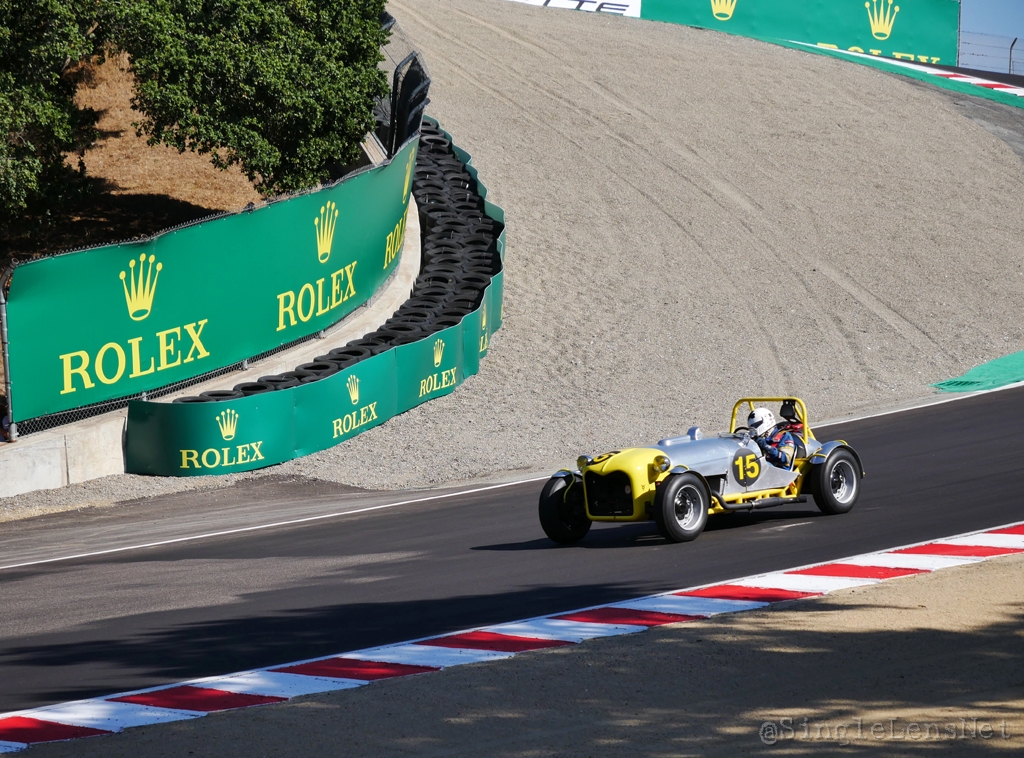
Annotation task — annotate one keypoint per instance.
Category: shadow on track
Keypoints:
(645, 534)
(182, 651)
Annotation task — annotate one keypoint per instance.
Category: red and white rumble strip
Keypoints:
(275, 684)
(951, 76)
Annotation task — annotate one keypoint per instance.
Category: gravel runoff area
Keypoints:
(933, 660)
(692, 217)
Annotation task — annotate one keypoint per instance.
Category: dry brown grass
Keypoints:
(142, 189)
(134, 168)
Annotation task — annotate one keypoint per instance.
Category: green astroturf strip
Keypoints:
(998, 373)
(885, 64)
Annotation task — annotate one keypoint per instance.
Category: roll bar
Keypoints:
(801, 412)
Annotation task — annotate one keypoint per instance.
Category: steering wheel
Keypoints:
(739, 429)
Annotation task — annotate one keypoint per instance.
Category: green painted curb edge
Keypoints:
(988, 376)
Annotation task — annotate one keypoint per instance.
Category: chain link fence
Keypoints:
(399, 58)
(992, 52)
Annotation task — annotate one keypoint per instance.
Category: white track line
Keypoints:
(308, 519)
(939, 400)
(292, 522)
(106, 714)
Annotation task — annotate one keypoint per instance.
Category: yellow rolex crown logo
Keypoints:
(325, 230)
(408, 176)
(139, 296)
(438, 352)
(228, 423)
(881, 17)
(723, 9)
(353, 389)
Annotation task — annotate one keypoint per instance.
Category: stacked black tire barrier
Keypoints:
(459, 255)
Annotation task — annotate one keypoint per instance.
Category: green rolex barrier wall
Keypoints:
(925, 31)
(118, 320)
(194, 439)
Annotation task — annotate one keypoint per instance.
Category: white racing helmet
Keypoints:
(761, 421)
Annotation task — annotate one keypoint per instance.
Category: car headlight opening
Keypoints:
(583, 461)
(662, 463)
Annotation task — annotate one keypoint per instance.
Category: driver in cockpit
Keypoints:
(777, 445)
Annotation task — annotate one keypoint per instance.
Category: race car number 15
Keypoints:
(746, 467)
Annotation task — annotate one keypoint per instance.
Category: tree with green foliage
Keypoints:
(283, 88)
(41, 43)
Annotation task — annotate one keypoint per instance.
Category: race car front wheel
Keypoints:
(681, 507)
(562, 510)
(837, 485)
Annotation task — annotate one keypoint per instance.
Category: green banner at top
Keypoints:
(925, 31)
(122, 319)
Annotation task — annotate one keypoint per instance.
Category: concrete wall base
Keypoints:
(94, 447)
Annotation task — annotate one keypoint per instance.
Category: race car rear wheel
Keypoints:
(681, 507)
(837, 485)
(562, 511)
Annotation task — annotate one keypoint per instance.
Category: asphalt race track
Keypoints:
(89, 627)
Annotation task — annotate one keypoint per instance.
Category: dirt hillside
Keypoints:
(694, 217)
(139, 189)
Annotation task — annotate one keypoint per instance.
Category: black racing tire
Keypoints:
(681, 507)
(444, 322)
(446, 258)
(221, 395)
(434, 292)
(322, 370)
(279, 382)
(373, 344)
(837, 483)
(476, 280)
(340, 353)
(563, 515)
(449, 312)
(254, 388)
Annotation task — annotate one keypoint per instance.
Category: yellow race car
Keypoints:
(681, 481)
